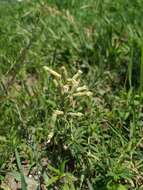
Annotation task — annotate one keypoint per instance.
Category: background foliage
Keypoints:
(103, 149)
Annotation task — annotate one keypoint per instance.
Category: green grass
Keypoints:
(72, 141)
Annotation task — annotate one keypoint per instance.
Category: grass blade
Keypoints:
(23, 181)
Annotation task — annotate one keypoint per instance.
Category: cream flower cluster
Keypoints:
(67, 85)
(69, 89)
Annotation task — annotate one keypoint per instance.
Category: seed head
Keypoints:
(64, 73)
(52, 72)
(82, 88)
(65, 89)
(76, 76)
(86, 93)
(77, 114)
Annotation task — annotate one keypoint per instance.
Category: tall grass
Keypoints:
(69, 137)
(141, 70)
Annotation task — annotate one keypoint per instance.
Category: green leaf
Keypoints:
(51, 181)
(51, 168)
(23, 181)
(66, 187)
(121, 187)
(72, 187)
(62, 166)
(89, 185)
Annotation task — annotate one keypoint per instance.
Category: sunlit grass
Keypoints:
(71, 101)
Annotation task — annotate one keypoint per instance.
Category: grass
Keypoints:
(71, 97)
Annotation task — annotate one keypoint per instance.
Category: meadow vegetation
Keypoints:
(71, 95)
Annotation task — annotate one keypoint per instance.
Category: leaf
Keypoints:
(66, 187)
(51, 168)
(112, 186)
(81, 180)
(62, 166)
(51, 181)
(121, 187)
(51, 103)
(72, 187)
(89, 185)
(23, 181)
